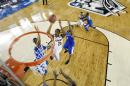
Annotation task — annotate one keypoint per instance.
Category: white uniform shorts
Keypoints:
(56, 52)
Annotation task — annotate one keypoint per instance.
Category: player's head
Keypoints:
(81, 12)
(35, 41)
(87, 14)
(57, 31)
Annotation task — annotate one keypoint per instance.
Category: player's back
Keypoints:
(69, 39)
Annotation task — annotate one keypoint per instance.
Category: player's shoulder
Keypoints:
(62, 35)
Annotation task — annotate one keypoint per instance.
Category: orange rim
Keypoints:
(35, 62)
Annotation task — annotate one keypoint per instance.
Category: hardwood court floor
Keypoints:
(116, 24)
(88, 63)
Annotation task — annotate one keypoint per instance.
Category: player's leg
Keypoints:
(44, 73)
(57, 56)
(66, 46)
(86, 26)
(43, 2)
(56, 53)
(70, 51)
(46, 2)
(53, 54)
(42, 69)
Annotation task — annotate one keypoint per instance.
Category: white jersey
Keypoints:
(58, 47)
(58, 42)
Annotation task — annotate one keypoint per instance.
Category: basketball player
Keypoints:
(58, 38)
(69, 44)
(88, 22)
(80, 22)
(39, 51)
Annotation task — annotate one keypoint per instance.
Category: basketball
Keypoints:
(52, 18)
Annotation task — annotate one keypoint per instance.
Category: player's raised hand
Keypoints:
(61, 27)
(38, 37)
(36, 28)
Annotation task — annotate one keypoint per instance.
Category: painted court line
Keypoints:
(119, 57)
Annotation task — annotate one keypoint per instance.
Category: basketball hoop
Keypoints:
(33, 63)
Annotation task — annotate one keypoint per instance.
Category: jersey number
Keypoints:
(59, 43)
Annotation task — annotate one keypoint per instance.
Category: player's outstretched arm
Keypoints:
(61, 27)
(38, 37)
(70, 28)
(49, 29)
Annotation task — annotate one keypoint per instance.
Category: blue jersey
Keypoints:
(69, 39)
(39, 51)
(89, 20)
(69, 44)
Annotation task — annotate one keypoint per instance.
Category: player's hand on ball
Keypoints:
(52, 18)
